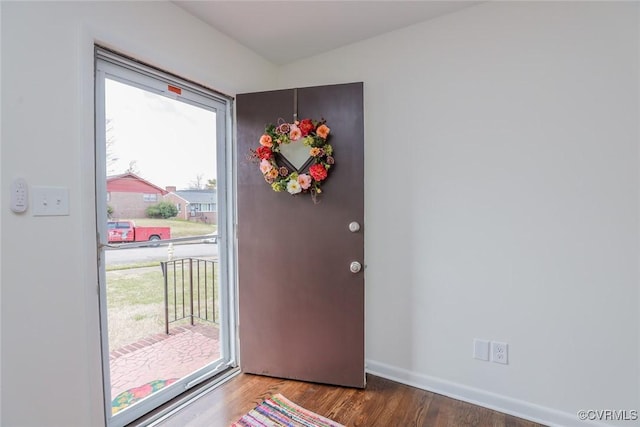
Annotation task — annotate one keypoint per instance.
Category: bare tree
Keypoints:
(198, 183)
(112, 158)
(133, 168)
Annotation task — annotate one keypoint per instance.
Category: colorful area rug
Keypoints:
(131, 396)
(279, 411)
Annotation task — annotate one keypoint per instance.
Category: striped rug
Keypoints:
(279, 411)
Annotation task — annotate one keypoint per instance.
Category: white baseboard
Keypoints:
(504, 404)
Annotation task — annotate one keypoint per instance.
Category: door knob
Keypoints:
(355, 267)
(354, 227)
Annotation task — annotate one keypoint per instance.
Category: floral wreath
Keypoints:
(314, 135)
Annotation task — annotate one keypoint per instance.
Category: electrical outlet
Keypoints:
(480, 349)
(499, 352)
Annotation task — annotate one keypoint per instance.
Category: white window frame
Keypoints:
(117, 67)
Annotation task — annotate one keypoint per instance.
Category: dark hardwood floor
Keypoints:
(383, 403)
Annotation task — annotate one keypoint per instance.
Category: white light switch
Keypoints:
(50, 201)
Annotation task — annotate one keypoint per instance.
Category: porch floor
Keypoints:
(163, 357)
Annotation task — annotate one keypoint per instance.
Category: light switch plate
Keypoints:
(50, 201)
(481, 349)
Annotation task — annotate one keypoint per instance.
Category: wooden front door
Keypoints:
(301, 307)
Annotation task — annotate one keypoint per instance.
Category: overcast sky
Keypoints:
(170, 141)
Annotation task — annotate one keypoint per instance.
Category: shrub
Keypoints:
(162, 210)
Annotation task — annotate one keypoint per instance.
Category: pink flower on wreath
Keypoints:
(318, 172)
(265, 166)
(266, 140)
(295, 133)
(304, 180)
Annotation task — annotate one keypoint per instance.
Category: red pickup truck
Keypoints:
(126, 231)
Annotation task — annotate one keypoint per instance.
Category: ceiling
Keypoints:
(286, 31)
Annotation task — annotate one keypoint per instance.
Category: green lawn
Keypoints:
(135, 301)
(179, 227)
(135, 292)
(135, 304)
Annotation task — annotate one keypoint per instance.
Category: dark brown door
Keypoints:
(301, 308)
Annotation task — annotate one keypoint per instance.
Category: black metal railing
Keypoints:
(190, 290)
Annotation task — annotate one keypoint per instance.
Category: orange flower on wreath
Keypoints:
(315, 152)
(323, 131)
(266, 141)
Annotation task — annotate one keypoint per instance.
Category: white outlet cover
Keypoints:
(500, 352)
(480, 349)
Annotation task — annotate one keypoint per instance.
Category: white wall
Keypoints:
(1, 207)
(502, 169)
(502, 202)
(51, 371)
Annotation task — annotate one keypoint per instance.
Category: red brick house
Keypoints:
(130, 195)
